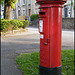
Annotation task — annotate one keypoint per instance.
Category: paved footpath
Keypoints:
(27, 42)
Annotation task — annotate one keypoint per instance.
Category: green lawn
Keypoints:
(29, 63)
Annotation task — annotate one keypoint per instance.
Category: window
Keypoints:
(36, 11)
(18, 12)
(19, 2)
(66, 11)
(29, 1)
(24, 1)
(29, 12)
(23, 12)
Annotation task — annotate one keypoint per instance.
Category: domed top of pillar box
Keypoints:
(51, 1)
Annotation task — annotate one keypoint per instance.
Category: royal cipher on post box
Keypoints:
(50, 26)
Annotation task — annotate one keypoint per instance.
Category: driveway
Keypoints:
(11, 46)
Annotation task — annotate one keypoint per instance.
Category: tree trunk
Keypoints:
(7, 10)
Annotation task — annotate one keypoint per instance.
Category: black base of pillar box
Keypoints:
(50, 71)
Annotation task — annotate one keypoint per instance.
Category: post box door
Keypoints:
(44, 41)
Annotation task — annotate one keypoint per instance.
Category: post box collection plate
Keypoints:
(41, 25)
(41, 36)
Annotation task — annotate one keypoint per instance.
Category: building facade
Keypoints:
(26, 8)
(68, 9)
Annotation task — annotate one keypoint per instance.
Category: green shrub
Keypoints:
(16, 24)
(25, 23)
(4, 25)
(7, 25)
(34, 17)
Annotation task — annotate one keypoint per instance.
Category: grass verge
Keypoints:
(29, 63)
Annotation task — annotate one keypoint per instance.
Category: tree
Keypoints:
(8, 5)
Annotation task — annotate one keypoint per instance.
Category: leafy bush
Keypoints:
(7, 25)
(34, 17)
(4, 24)
(25, 23)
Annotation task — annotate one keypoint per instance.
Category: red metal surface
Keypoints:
(50, 44)
(51, 1)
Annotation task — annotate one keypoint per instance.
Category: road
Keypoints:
(11, 46)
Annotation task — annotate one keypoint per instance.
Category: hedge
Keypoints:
(34, 17)
(7, 25)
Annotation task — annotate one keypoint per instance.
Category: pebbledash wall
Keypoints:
(67, 23)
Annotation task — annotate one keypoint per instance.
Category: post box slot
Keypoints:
(42, 13)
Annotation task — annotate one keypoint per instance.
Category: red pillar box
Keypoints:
(50, 26)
